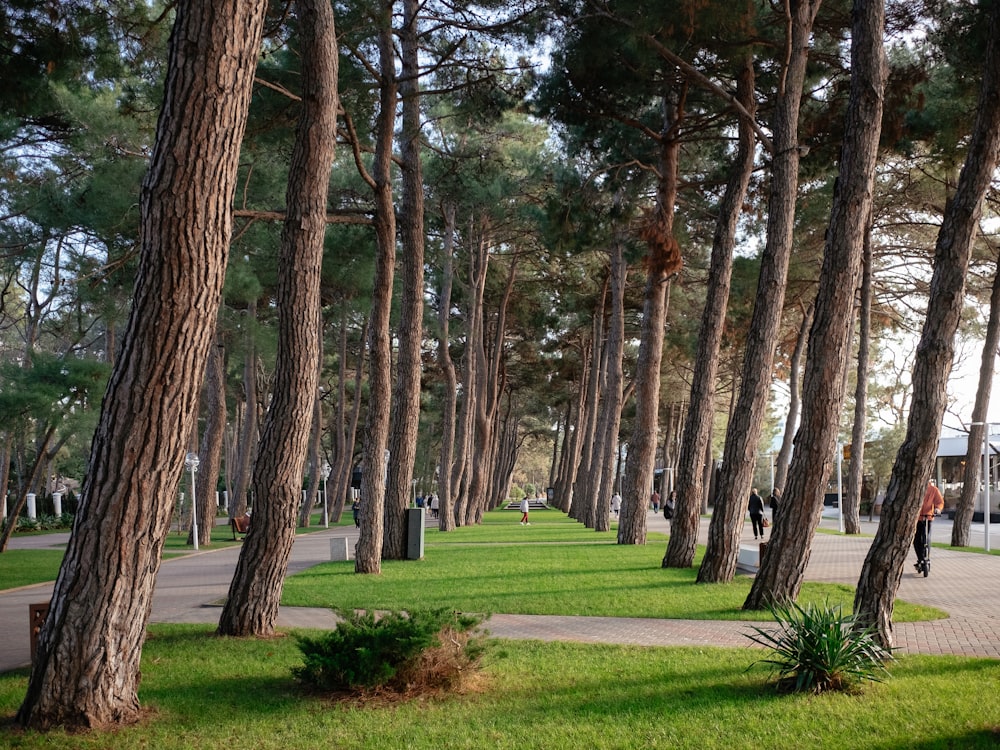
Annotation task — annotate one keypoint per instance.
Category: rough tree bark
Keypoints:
(405, 418)
(86, 670)
(696, 443)
(663, 261)
(783, 566)
(745, 424)
(856, 472)
(251, 607)
(883, 567)
(376, 432)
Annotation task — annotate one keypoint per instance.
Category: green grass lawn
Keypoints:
(217, 693)
(214, 693)
(554, 566)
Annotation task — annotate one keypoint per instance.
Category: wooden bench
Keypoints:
(240, 525)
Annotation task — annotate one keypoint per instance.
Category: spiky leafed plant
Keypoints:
(815, 649)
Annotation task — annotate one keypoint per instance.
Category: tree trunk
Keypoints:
(794, 400)
(663, 261)
(405, 417)
(883, 567)
(255, 592)
(782, 568)
(743, 431)
(210, 454)
(314, 457)
(696, 443)
(974, 453)
(585, 490)
(345, 463)
(446, 520)
(609, 421)
(374, 459)
(856, 470)
(86, 669)
(247, 444)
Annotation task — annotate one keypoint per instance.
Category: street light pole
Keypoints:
(986, 485)
(191, 461)
(326, 505)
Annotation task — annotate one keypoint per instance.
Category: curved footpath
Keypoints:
(963, 584)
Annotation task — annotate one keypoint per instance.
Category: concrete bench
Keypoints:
(748, 558)
(340, 548)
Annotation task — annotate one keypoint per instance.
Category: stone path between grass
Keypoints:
(966, 585)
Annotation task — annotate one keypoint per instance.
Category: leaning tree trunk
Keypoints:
(974, 454)
(314, 453)
(883, 567)
(86, 669)
(743, 431)
(376, 439)
(255, 592)
(405, 417)
(663, 262)
(855, 472)
(696, 443)
(783, 566)
(794, 400)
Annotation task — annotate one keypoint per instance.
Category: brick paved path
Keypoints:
(965, 585)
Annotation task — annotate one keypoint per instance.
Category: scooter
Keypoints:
(924, 566)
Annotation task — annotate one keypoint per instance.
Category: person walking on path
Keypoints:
(655, 500)
(525, 506)
(616, 504)
(774, 501)
(756, 508)
(932, 506)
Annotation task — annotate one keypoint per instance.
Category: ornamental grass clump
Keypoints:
(816, 649)
(399, 652)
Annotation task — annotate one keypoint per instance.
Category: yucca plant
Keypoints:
(815, 649)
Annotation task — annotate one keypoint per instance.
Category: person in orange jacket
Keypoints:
(932, 506)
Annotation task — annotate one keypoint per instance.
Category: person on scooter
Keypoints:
(932, 506)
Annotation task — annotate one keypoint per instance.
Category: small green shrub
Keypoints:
(816, 649)
(368, 651)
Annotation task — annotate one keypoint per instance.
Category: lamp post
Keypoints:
(326, 506)
(986, 482)
(191, 461)
(986, 486)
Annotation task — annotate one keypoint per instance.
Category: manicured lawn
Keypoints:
(554, 566)
(211, 693)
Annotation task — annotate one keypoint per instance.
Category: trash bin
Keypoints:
(36, 617)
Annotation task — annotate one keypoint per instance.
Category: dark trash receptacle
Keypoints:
(36, 616)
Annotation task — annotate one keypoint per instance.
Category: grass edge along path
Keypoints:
(216, 693)
(554, 567)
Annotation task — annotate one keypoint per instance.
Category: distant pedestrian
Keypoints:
(932, 506)
(356, 512)
(774, 501)
(655, 500)
(756, 508)
(616, 504)
(670, 504)
(525, 507)
(435, 505)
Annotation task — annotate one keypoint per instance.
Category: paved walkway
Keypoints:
(965, 585)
